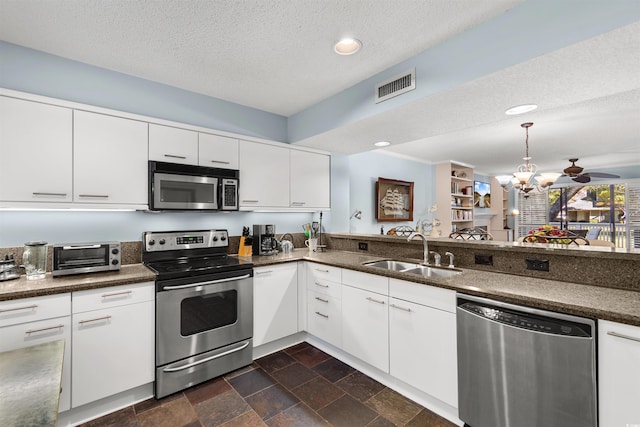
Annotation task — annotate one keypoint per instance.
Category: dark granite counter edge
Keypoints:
(353, 261)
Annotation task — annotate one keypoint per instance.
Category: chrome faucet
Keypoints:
(451, 258)
(436, 257)
(425, 255)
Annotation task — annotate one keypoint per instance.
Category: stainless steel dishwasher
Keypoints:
(524, 367)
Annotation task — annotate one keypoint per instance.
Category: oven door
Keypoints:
(192, 318)
(184, 192)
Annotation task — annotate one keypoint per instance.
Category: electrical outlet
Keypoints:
(484, 259)
(537, 264)
(363, 246)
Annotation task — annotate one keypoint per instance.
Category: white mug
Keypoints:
(312, 244)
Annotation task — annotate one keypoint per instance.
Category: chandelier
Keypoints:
(523, 178)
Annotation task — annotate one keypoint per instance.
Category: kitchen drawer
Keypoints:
(17, 311)
(442, 299)
(325, 318)
(114, 296)
(324, 287)
(366, 281)
(324, 272)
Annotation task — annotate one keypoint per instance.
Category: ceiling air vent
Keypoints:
(396, 86)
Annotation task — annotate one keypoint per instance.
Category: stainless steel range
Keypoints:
(204, 307)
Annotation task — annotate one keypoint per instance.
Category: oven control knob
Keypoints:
(114, 262)
(215, 238)
(152, 242)
(162, 241)
(223, 238)
(115, 251)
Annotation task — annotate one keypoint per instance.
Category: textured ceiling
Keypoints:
(274, 55)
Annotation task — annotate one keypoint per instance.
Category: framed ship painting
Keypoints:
(394, 200)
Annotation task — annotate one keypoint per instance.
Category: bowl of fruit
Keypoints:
(550, 234)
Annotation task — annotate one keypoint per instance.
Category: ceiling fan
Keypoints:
(575, 172)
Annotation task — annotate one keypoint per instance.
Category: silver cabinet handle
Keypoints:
(173, 156)
(31, 331)
(208, 359)
(321, 285)
(36, 193)
(96, 196)
(298, 203)
(213, 282)
(220, 162)
(263, 272)
(400, 308)
(26, 307)
(323, 300)
(321, 271)
(250, 201)
(323, 315)
(626, 337)
(375, 300)
(107, 317)
(113, 294)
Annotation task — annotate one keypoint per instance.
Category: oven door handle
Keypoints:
(208, 359)
(213, 282)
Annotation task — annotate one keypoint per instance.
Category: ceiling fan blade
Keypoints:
(602, 175)
(583, 179)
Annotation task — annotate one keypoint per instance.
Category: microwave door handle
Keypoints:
(212, 282)
(81, 247)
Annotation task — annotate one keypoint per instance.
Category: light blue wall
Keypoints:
(40, 73)
(62, 226)
(364, 171)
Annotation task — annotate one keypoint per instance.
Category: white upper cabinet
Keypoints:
(310, 180)
(110, 159)
(264, 176)
(36, 144)
(218, 151)
(173, 145)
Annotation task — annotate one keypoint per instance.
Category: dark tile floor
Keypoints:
(299, 386)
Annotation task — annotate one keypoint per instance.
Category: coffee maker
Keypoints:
(264, 239)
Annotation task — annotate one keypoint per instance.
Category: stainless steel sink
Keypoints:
(413, 268)
(392, 265)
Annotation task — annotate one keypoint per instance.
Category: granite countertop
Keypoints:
(23, 288)
(30, 378)
(572, 298)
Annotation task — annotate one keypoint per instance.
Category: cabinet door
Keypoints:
(36, 147)
(423, 349)
(264, 176)
(113, 351)
(110, 159)
(365, 327)
(618, 373)
(310, 180)
(218, 151)
(173, 145)
(275, 303)
(40, 332)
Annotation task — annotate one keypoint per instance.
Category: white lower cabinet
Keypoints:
(618, 374)
(38, 320)
(113, 341)
(324, 302)
(422, 341)
(365, 326)
(275, 302)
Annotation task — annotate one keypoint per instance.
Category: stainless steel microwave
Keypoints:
(181, 187)
(77, 258)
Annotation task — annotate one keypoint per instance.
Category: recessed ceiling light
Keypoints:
(520, 109)
(382, 144)
(347, 46)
